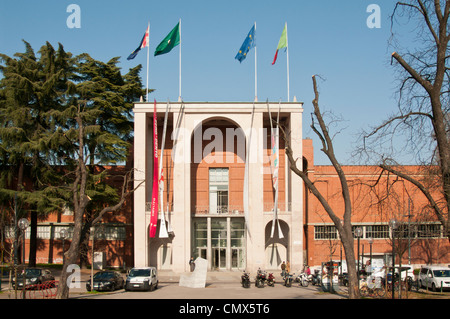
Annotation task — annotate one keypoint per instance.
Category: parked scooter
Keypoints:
(260, 278)
(288, 279)
(316, 278)
(303, 279)
(271, 280)
(245, 280)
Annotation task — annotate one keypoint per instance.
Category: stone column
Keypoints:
(256, 238)
(140, 220)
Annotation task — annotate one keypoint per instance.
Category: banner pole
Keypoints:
(148, 58)
(256, 69)
(287, 62)
(179, 83)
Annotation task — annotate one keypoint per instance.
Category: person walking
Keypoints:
(192, 264)
(283, 269)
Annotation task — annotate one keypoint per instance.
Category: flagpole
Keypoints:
(148, 57)
(287, 59)
(256, 70)
(179, 84)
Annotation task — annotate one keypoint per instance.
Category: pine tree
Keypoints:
(32, 88)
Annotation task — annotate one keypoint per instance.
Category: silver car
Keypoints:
(142, 278)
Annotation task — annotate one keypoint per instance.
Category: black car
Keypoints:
(34, 277)
(106, 281)
(344, 279)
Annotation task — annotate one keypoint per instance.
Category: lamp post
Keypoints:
(63, 234)
(370, 243)
(358, 234)
(23, 225)
(409, 230)
(393, 224)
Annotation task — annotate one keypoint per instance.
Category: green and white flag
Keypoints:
(169, 42)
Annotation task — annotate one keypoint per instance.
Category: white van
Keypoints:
(434, 277)
(143, 278)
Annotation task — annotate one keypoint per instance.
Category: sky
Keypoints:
(326, 37)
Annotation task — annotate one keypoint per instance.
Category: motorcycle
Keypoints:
(288, 278)
(260, 279)
(271, 280)
(303, 278)
(316, 278)
(245, 280)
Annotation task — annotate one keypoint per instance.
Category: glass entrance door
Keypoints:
(221, 240)
(219, 258)
(237, 258)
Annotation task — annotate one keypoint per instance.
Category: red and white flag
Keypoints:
(154, 202)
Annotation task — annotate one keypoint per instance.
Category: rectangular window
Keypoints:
(377, 231)
(325, 232)
(218, 190)
(428, 230)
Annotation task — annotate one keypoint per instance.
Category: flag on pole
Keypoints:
(154, 202)
(143, 44)
(249, 43)
(281, 44)
(169, 42)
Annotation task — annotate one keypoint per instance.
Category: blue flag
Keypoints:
(143, 44)
(247, 45)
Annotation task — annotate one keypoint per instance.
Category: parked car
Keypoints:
(434, 277)
(106, 280)
(344, 279)
(33, 277)
(144, 278)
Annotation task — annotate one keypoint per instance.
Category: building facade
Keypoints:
(377, 198)
(219, 198)
(211, 211)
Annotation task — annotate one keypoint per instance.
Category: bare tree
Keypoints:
(344, 227)
(422, 115)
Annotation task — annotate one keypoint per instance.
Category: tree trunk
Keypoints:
(344, 227)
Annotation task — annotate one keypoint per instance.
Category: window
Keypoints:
(110, 232)
(428, 230)
(218, 190)
(325, 232)
(377, 231)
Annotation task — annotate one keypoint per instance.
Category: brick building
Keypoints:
(211, 212)
(376, 197)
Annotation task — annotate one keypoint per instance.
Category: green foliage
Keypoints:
(41, 96)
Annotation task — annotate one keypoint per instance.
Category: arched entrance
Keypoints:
(217, 182)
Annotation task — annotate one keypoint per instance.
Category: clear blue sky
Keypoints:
(326, 37)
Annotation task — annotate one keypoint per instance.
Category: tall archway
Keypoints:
(217, 184)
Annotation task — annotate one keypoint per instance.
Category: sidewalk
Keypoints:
(225, 284)
(164, 276)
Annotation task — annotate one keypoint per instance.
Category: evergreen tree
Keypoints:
(61, 119)
(32, 88)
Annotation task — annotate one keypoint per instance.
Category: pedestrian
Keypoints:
(288, 267)
(308, 271)
(283, 269)
(192, 264)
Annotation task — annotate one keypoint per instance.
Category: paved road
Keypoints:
(221, 290)
(219, 285)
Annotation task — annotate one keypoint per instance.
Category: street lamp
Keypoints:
(358, 234)
(63, 234)
(23, 225)
(393, 223)
(370, 243)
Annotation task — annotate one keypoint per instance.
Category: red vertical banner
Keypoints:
(154, 205)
